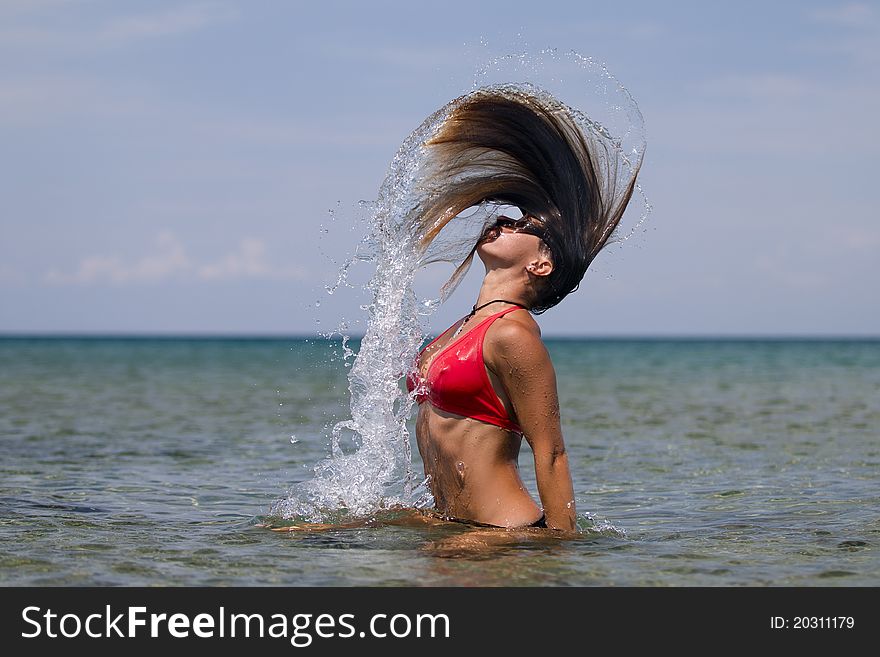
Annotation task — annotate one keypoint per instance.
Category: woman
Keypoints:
(488, 381)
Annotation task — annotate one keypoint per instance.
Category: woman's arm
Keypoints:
(515, 353)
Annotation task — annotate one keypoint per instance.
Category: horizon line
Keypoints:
(299, 337)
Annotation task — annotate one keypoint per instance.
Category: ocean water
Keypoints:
(695, 463)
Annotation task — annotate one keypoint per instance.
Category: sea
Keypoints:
(155, 461)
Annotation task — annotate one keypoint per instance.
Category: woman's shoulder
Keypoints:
(513, 344)
(514, 330)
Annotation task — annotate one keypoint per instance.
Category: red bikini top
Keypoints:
(457, 380)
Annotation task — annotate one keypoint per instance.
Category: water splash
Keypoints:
(601, 105)
(370, 462)
(588, 523)
(375, 470)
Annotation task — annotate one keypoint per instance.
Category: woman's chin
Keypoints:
(484, 248)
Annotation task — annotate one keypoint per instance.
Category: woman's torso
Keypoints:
(472, 463)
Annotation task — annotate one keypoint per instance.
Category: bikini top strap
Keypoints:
(486, 323)
(509, 310)
(489, 319)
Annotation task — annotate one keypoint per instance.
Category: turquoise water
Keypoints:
(699, 462)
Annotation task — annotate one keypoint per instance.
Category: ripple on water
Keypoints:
(835, 574)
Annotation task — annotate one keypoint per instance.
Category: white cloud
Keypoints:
(248, 262)
(859, 239)
(171, 261)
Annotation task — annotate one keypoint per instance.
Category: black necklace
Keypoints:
(476, 308)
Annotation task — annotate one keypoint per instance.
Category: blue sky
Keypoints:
(169, 167)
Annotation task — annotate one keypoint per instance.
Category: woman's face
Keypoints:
(511, 242)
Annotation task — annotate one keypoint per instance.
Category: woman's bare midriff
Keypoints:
(473, 469)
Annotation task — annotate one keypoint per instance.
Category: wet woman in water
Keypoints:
(487, 382)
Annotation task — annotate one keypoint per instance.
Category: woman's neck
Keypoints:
(499, 286)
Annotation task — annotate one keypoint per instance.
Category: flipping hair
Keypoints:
(507, 146)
